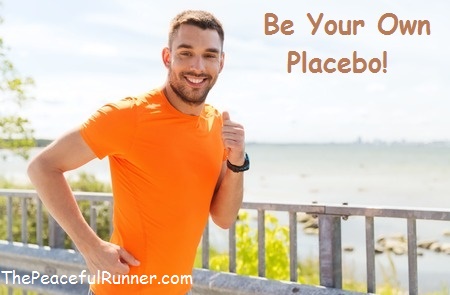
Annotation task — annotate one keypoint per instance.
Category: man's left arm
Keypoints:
(228, 197)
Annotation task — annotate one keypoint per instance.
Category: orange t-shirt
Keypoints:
(164, 169)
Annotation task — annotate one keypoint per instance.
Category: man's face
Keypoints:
(194, 61)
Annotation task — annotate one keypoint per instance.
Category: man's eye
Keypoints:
(185, 53)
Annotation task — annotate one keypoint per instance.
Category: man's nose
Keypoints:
(198, 63)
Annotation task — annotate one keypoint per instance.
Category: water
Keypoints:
(388, 175)
(358, 174)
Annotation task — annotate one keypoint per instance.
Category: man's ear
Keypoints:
(166, 57)
(222, 62)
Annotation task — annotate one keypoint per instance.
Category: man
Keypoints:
(174, 161)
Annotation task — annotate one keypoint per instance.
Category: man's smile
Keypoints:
(195, 80)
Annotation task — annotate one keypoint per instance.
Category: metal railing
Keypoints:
(329, 232)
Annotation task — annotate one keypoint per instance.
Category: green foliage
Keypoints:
(308, 271)
(246, 246)
(218, 261)
(444, 291)
(391, 284)
(16, 291)
(16, 133)
(5, 183)
(86, 182)
(18, 209)
(277, 252)
(277, 249)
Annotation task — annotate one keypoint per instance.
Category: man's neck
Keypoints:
(179, 104)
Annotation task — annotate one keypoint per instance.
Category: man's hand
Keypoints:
(109, 257)
(233, 137)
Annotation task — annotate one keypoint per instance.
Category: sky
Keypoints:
(83, 54)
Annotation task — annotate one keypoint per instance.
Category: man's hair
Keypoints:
(198, 18)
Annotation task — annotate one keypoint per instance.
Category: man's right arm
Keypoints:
(46, 172)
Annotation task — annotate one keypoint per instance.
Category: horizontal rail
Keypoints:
(346, 210)
(328, 209)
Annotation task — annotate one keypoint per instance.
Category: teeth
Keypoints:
(195, 80)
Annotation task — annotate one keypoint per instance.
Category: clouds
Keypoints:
(85, 53)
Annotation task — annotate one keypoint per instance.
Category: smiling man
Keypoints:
(174, 161)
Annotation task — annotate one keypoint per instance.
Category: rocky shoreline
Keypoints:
(397, 244)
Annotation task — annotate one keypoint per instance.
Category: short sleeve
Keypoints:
(110, 130)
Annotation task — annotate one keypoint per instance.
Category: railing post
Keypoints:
(330, 255)
(370, 255)
(39, 227)
(205, 247)
(93, 216)
(412, 256)
(293, 273)
(56, 234)
(24, 223)
(261, 243)
(9, 203)
(232, 248)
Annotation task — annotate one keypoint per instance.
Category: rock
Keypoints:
(396, 237)
(436, 247)
(445, 248)
(311, 231)
(394, 243)
(312, 223)
(399, 250)
(303, 217)
(379, 249)
(348, 248)
(426, 244)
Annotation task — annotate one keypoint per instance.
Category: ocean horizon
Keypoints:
(375, 173)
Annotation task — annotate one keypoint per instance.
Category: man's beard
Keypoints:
(188, 95)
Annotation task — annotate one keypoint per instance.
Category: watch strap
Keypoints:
(242, 168)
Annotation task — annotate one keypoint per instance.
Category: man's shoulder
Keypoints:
(137, 101)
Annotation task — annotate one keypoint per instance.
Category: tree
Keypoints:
(16, 133)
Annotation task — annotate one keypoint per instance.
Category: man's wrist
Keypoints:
(239, 168)
(90, 240)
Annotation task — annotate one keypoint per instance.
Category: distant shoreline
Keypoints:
(42, 142)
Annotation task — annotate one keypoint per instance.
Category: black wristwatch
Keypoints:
(242, 168)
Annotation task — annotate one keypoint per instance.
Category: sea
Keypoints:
(412, 175)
